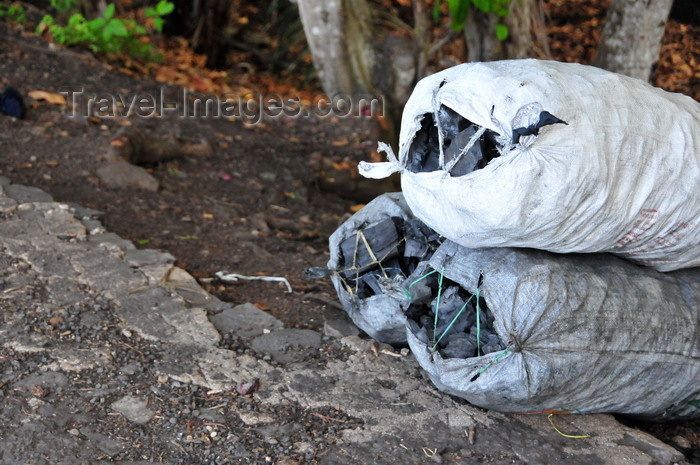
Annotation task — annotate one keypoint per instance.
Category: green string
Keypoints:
(452, 322)
(408, 294)
(478, 324)
(437, 305)
(488, 365)
(494, 361)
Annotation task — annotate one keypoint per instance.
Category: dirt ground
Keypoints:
(255, 199)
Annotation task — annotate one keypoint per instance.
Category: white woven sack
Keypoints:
(622, 175)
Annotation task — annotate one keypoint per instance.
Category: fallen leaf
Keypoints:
(50, 97)
(357, 208)
(261, 306)
(40, 391)
(342, 141)
(248, 387)
(208, 216)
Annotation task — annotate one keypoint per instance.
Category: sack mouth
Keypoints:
(449, 319)
(380, 256)
(449, 142)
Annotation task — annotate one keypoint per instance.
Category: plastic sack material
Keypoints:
(555, 156)
(523, 330)
(581, 334)
(379, 314)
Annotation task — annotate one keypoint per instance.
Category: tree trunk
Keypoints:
(339, 44)
(631, 38)
(351, 62)
(480, 33)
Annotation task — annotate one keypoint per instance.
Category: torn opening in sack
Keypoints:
(449, 319)
(466, 146)
(384, 253)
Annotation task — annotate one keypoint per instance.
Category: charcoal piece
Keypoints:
(371, 281)
(461, 323)
(493, 344)
(382, 238)
(469, 161)
(451, 122)
(420, 292)
(426, 322)
(459, 345)
(424, 152)
(420, 284)
(12, 103)
(408, 265)
(451, 302)
(419, 332)
(425, 149)
(414, 311)
(489, 148)
(417, 236)
(392, 268)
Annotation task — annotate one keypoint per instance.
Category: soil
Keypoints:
(260, 200)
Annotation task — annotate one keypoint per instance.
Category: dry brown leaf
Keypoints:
(342, 141)
(50, 97)
(346, 166)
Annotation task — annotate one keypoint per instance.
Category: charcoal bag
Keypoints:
(554, 156)
(523, 330)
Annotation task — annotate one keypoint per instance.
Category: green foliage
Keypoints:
(104, 34)
(163, 8)
(14, 12)
(459, 9)
(63, 6)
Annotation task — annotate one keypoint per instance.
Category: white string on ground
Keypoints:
(231, 277)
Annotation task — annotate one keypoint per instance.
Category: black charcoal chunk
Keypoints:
(419, 332)
(459, 345)
(382, 238)
(425, 321)
(371, 280)
(417, 236)
(420, 292)
(424, 152)
(493, 344)
(489, 148)
(451, 302)
(451, 122)
(468, 161)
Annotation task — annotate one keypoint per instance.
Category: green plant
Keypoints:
(459, 9)
(163, 8)
(106, 33)
(14, 12)
(63, 6)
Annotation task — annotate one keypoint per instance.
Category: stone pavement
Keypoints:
(69, 288)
